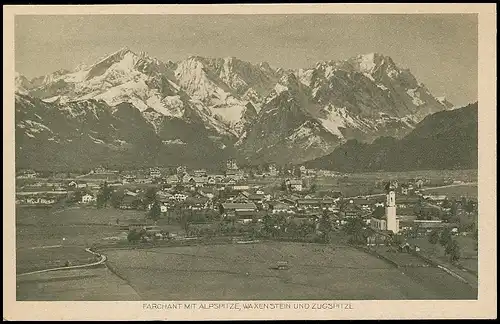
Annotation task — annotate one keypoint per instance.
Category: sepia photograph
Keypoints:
(245, 162)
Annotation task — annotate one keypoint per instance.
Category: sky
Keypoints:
(439, 49)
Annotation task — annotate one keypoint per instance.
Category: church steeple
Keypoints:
(390, 207)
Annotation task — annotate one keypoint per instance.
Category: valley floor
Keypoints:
(244, 272)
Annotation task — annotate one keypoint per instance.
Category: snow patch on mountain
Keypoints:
(33, 126)
(305, 76)
(176, 141)
(334, 120)
(381, 86)
(367, 63)
(415, 95)
(96, 140)
(279, 88)
(51, 99)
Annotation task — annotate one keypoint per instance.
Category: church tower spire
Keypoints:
(390, 208)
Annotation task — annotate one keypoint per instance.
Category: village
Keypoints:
(271, 202)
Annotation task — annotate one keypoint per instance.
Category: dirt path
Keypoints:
(88, 265)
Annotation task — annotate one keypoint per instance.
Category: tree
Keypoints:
(446, 203)
(453, 209)
(184, 220)
(77, 196)
(117, 198)
(325, 226)
(434, 237)
(134, 236)
(267, 224)
(445, 237)
(453, 250)
(378, 212)
(103, 195)
(150, 195)
(100, 200)
(355, 229)
(470, 206)
(397, 239)
(284, 186)
(155, 211)
(178, 187)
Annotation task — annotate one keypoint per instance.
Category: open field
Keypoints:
(456, 191)
(463, 175)
(45, 238)
(47, 257)
(244, 272)
(37, 227)
(354, 184)
(74, 285)
(74, 216)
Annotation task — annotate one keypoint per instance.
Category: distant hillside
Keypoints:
(443, 140)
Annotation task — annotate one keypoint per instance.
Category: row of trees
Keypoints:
(279, 226)
(446, 240)
(135, 236)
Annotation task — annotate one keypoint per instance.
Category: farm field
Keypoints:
(46, 238)
(464, 175)
(244, 272)
(74, 285)
(466, 190)
(73, 216)
(46, 257)
(36, 227)
(354, 184)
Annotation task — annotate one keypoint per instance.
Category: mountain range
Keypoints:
(130, 109)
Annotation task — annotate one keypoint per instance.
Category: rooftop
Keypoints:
(239, 206)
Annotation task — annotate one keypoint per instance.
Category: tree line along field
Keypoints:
(468, 254)
(245, 272)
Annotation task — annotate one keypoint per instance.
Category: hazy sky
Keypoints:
(439, 49)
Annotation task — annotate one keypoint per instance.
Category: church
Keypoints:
(390, 221)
